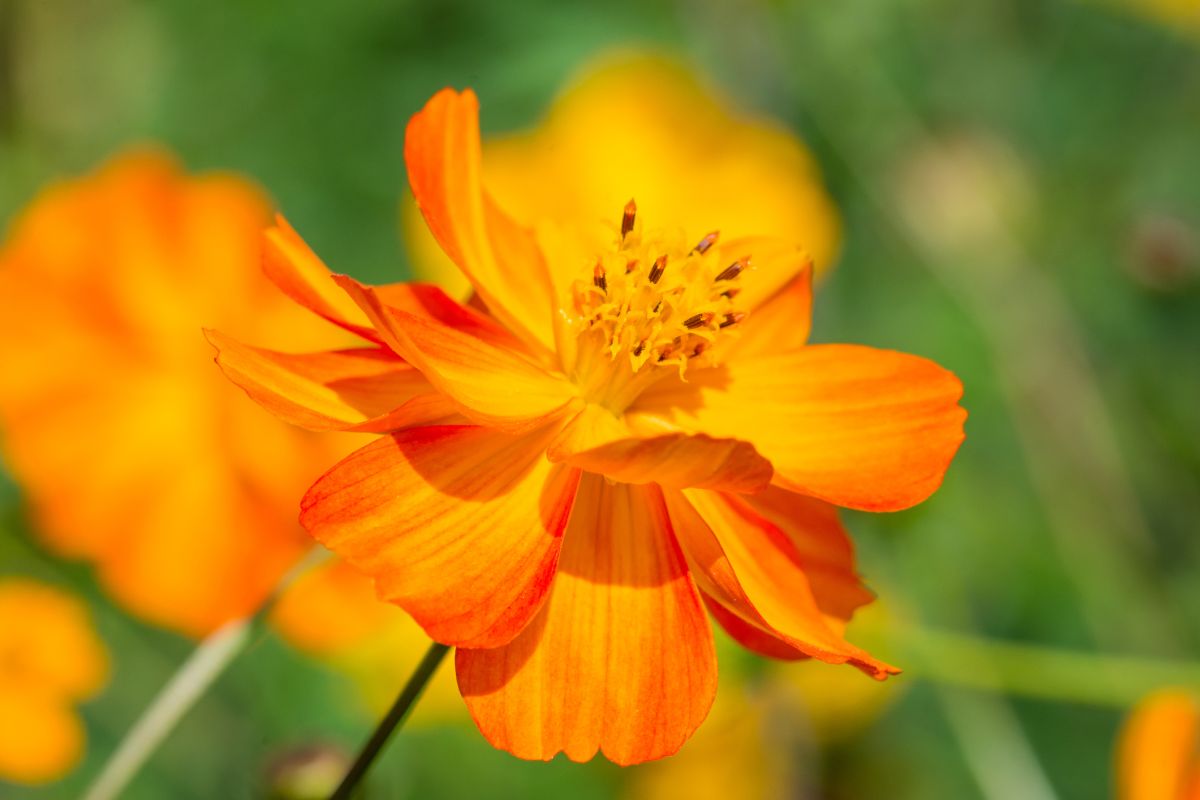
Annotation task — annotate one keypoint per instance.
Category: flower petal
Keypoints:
(459, 525)
(753, 637)
(858, 427)
(620, 658)
(300, 274)
(343, 390)
(596, 441)
(491, 384)
(500, 258)
(748, 565)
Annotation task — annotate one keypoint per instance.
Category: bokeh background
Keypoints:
(1019, 184)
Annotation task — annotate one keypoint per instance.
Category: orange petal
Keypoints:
(823, 546)
(858, 427)
(491, 384)
(596, 441)
(748, 565)
(459, 525)
(1156, 752)
(343, 390)
(779, 325)
(300, 274)
(752, 637)
(620, 659)
(500, 258)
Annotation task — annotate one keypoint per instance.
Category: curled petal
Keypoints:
(621, 657)
(459, 525)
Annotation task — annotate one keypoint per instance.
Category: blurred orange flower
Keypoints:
(637, 424)
(1158, 754)
(642, 125)
(50, 659)
(134, 453)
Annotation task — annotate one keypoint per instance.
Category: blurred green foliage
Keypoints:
(1097, 113)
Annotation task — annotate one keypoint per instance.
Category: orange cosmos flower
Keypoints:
(134, 454)
(50, 659)
(641, 125)
(1158, 755)
(635, 429)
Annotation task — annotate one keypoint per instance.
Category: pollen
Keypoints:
(652, 303)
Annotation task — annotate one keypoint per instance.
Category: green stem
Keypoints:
(393, 720)
(201, 669)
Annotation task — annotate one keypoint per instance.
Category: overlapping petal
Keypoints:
(369, 390)
(490, 383)
(459, 525)
(856, 426)
(500, 258)
(597, 441)
(621, 657)
(749, 566)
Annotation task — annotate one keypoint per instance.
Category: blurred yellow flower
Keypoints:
(50, 659)
(639, 125)
(1158, 753)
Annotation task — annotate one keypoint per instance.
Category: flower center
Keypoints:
(650, 304)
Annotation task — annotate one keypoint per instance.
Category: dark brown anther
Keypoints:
(660, 266)
(732, 292)
(637, 351)
(704, 244)
(699, 349)
(698, 320)
(599, 278)
(732, 319)
(627, 218)
(733, 270)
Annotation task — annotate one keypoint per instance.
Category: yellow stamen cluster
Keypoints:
(651, 302)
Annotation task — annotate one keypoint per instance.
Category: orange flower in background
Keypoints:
(644, 126)
(636, 429)
(50, 659)
(133, 454)
(1158, 754)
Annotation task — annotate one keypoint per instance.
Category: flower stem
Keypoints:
(393, 720)
(201, 669)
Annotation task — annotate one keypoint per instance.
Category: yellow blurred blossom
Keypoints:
(50, 659)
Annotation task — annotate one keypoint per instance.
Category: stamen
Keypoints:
(628, 217)
(699, 349)
(732, 293)
(698, 320)
(733, 270)
(631, 265)
(660, 266)
(732, 319)
(599, 278)
(637, 351)
(704, 244)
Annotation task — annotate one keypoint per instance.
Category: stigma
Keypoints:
(650, 303)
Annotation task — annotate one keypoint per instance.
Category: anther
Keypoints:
(627, 218)
(733, 270)
(599, 278)
(660, 266)
(699, 349)
(631, 265)
(698, 320)
(637, 351)
(732, 319)
(732, 292)
(708, 241)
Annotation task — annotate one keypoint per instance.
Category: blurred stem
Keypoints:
(1034, 671)
(201, 669)
(393, 720)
